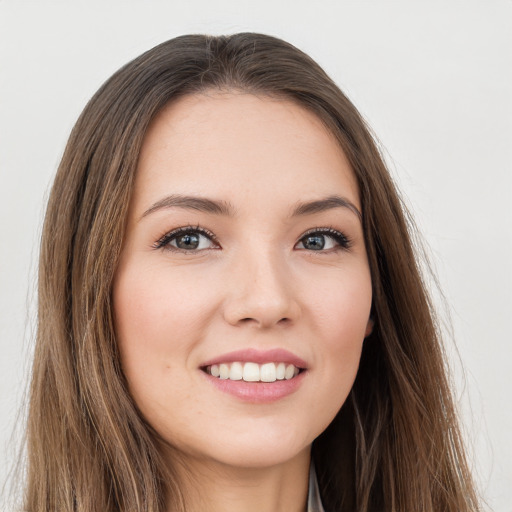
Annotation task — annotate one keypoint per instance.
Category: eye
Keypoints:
(323, 240)
(187, 239)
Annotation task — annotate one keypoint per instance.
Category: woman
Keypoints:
(231, 313)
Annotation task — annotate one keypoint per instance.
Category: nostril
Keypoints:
(249, 320)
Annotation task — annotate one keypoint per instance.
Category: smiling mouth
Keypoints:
(253, 372)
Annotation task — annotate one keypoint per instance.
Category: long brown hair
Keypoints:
(394, 445)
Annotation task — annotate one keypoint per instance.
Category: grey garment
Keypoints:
(314, 501)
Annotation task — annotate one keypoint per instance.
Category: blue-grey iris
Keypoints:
(314, 242)
(188, 241)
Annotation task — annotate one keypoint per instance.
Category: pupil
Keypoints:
(314, 242)
(189, 241)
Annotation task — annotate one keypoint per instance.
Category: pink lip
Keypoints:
(277, 355)
(257, 392)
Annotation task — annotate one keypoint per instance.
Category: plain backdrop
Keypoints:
(433, 79)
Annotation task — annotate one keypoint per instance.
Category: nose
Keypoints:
(261, 292)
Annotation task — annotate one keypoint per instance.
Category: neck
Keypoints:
(214, 487)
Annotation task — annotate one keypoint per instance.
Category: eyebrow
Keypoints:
(201, 204)
(323, 205)
(224, 208)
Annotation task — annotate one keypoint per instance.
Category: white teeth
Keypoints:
(268, 372)
(224, 371)
(253, 372)
(236, 372)
(290, 370)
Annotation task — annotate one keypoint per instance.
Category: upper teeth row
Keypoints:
(253, 372)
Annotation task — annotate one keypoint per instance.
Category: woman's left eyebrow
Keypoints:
(328, 203)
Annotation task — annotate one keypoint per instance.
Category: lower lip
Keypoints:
(257, 392)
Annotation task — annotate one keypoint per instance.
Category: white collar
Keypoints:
(314, 501)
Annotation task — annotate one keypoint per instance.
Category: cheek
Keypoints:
(341, 315)
(343, 306)
(159, 309)
(160, 316)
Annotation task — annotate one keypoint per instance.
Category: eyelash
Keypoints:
(163, 242)
(343, 240)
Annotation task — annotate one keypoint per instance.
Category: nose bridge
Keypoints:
(261, 289)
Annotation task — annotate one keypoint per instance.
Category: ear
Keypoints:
(369, 327)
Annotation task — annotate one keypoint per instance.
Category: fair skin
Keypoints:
(268, 272)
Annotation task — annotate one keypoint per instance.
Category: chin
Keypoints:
(252, 448)
(257, 457)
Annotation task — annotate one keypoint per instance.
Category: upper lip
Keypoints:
(276, 355)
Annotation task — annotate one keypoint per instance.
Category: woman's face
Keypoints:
(244, 264)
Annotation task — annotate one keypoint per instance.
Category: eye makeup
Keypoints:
(186, 236)
(190, 239)
(314, 240)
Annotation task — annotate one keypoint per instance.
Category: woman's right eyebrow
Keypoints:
(201, 204)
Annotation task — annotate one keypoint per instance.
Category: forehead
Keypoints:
(241, 144)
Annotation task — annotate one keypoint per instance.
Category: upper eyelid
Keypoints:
(193, 229)
(323, 229)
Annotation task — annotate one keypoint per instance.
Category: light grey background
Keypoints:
(432, 78)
